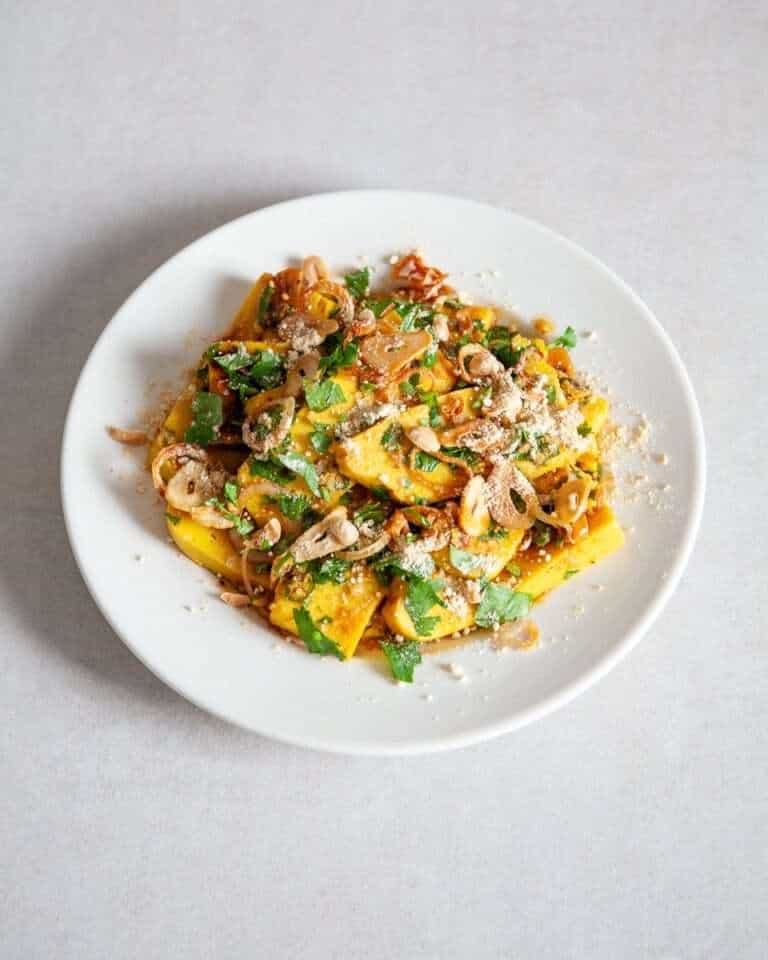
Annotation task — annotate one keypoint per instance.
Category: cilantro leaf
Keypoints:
(499, 342)
(313, 636)
(461, 453)
(231, 491)
(464, 561)
(430, 398)
(551, 393)
(566, 339)
(269, 470)
(569, 573)
(207, 418)
(358, 282)
(402, 657)
(409, 387)
(322, 394)
(249, 373)
(584, 429)
(369, 511)
(425, 461)
(391, 437)
(320, 438)
(293, 505)
(302, 467)
(340, 354)
(172, 518)
(500, 604)
(420, 597)
(330, 570)
(413, 316)
(265, 302)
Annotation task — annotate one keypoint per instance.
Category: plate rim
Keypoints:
(482, 732)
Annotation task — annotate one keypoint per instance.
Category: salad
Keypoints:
(385, 467)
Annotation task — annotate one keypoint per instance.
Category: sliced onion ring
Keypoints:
(374, 547)
(181, 452)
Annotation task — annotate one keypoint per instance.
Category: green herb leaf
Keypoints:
(265, 302)
(358, 282)
(231, 491)
(402, 657)
(494, 532)
(375, 512)
(425, 461)
(414, 316)
(341, 354)
(321, 438)
(313, 636)
(430, 357)
(249, 373)
(584, 429)
(541, 534)
(430, 398)
(409, 387)
(330, 570)
(499, 342)
(500, 604)
(172, 518)
(269, 470)
(551, 394)
(322, 394)
(292, 505)
(391, 437)
(302, 467)
(462, 453)
(207, 417)
(464, 561)
(569, 573)
(420, 597)
(566, 339)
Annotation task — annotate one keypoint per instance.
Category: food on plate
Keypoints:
(385, 467)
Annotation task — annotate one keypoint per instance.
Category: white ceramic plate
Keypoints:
(166, 609)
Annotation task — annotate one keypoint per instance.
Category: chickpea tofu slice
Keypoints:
(370, 459)
(598, 537)
(341, 610)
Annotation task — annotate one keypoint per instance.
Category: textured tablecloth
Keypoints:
(632, 824)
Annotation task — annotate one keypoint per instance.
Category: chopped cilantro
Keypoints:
(329, 570)
(551, 394)
(313, 636)
(430, 398)
(367, 386)
(265, 302)
(269, 470)
(499, 342)
(242, 521)
(420, 597)
(320, 438)
(231, 491)
(413, 316)
(396, 563)
(172, 518)
(464, 561)
(322, 394)
(391, 437)
(249, 373)
(425, 461)
(514, 569)
(500, 604)
(494, 532)
(302, 468)
(584, 429)
(461, 453)
(207, 417)
(292, 505)
(369, 511)
(482, 397)
(569, 573)
(381, 492)
(566, 339)
(409, 387)
(430, 357)
(358, 282)
(339, 355)
(402, 658)
(542, 533)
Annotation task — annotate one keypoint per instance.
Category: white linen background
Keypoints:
(632, 823)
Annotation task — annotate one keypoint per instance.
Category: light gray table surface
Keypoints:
(633, 823)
